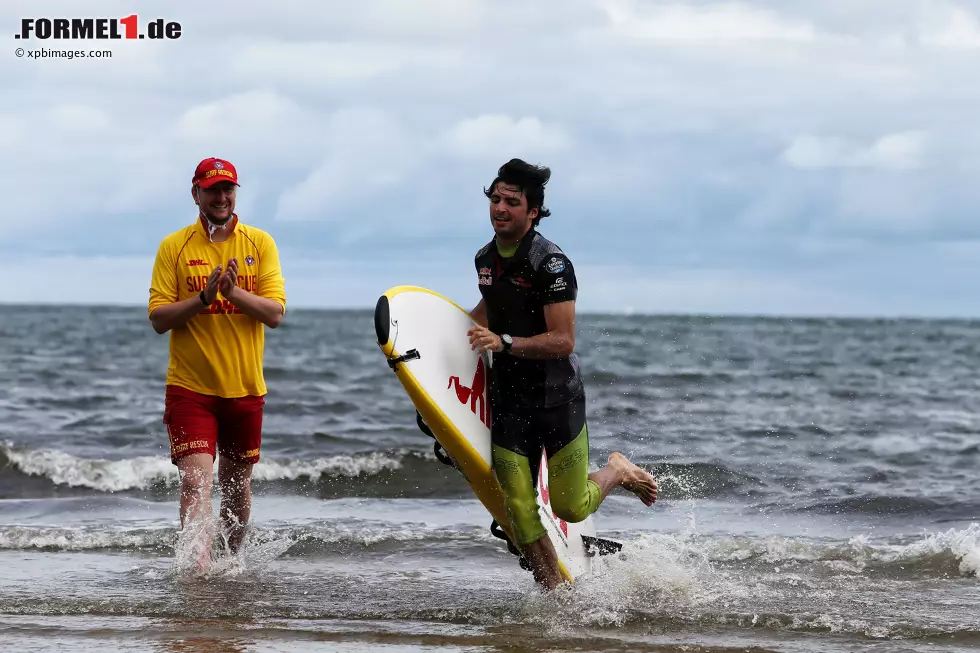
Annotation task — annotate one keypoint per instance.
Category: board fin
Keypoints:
(600, 545)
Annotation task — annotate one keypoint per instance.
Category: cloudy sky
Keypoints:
(718, 157)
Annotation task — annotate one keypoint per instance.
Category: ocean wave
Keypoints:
(678, 481)
(882, 504)
(666, 583)
(148, 472)
(24, 538)
(303, 541)
(943, 554)
(939, 554)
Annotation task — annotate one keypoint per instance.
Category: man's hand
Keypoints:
(229, 280)
(264, 310)
(214, 281)
(176, 314)
(485, 339)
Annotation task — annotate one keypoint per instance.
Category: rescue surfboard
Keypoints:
(422, 335)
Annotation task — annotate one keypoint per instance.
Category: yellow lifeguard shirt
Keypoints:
(220, 350)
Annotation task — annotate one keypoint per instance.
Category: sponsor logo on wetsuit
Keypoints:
(555, 265)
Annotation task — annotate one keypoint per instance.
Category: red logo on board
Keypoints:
(546, 495)
(475, 394)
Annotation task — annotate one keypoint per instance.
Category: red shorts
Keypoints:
(200, 423)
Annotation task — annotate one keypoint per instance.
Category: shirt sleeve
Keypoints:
(163, 279)
(272, 285)
(555, 279)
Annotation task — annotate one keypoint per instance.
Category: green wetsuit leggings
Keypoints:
(518, 434)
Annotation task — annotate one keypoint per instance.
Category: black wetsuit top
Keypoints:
(515, 291)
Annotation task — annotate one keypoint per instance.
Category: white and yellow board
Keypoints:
(423, 337)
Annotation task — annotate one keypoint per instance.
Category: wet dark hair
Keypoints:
(531, 179)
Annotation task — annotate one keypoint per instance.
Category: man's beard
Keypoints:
(214, 224)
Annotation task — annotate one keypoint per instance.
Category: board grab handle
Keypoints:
(411, 354)
(436, 447)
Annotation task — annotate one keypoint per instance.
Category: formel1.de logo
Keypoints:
(130, 27)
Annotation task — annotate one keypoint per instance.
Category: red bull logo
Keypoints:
(546, 494)
(474, 394)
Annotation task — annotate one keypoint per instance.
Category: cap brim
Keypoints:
(208, 183)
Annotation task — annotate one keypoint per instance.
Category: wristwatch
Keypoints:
(508, 342)
(203, 299)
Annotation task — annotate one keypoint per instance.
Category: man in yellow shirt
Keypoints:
(216, 285)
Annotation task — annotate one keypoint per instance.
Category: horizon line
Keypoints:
(583, 312)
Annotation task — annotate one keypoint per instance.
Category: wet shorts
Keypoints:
(525, 431)
(200, 423)
(518, 435)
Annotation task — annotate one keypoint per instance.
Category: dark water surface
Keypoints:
(820, 490)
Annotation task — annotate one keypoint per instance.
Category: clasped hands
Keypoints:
(226, 282)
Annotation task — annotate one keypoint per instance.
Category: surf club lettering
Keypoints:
(546, 496)
(475, 393)
(249, 282)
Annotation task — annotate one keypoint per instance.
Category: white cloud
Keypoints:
(77, 118)
(314, 64)
(676, 21)
(952, 27)
(254, 111)
(13, 130)
(364, 152)
(502, 137)
(257, 126)
(898, 151)
(391, 21)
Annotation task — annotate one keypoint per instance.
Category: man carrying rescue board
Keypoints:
(527, 318)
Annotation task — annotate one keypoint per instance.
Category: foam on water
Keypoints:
(84, 539)
(143, 472)
(653, 574)
(104, 475)
(963, 544)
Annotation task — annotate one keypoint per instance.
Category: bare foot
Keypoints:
(543, 559)
(193, 551)
(203, 564)
(633, 478)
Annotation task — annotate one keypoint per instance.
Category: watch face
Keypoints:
(507, 340)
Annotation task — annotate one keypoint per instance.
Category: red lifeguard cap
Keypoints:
(211, 171)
